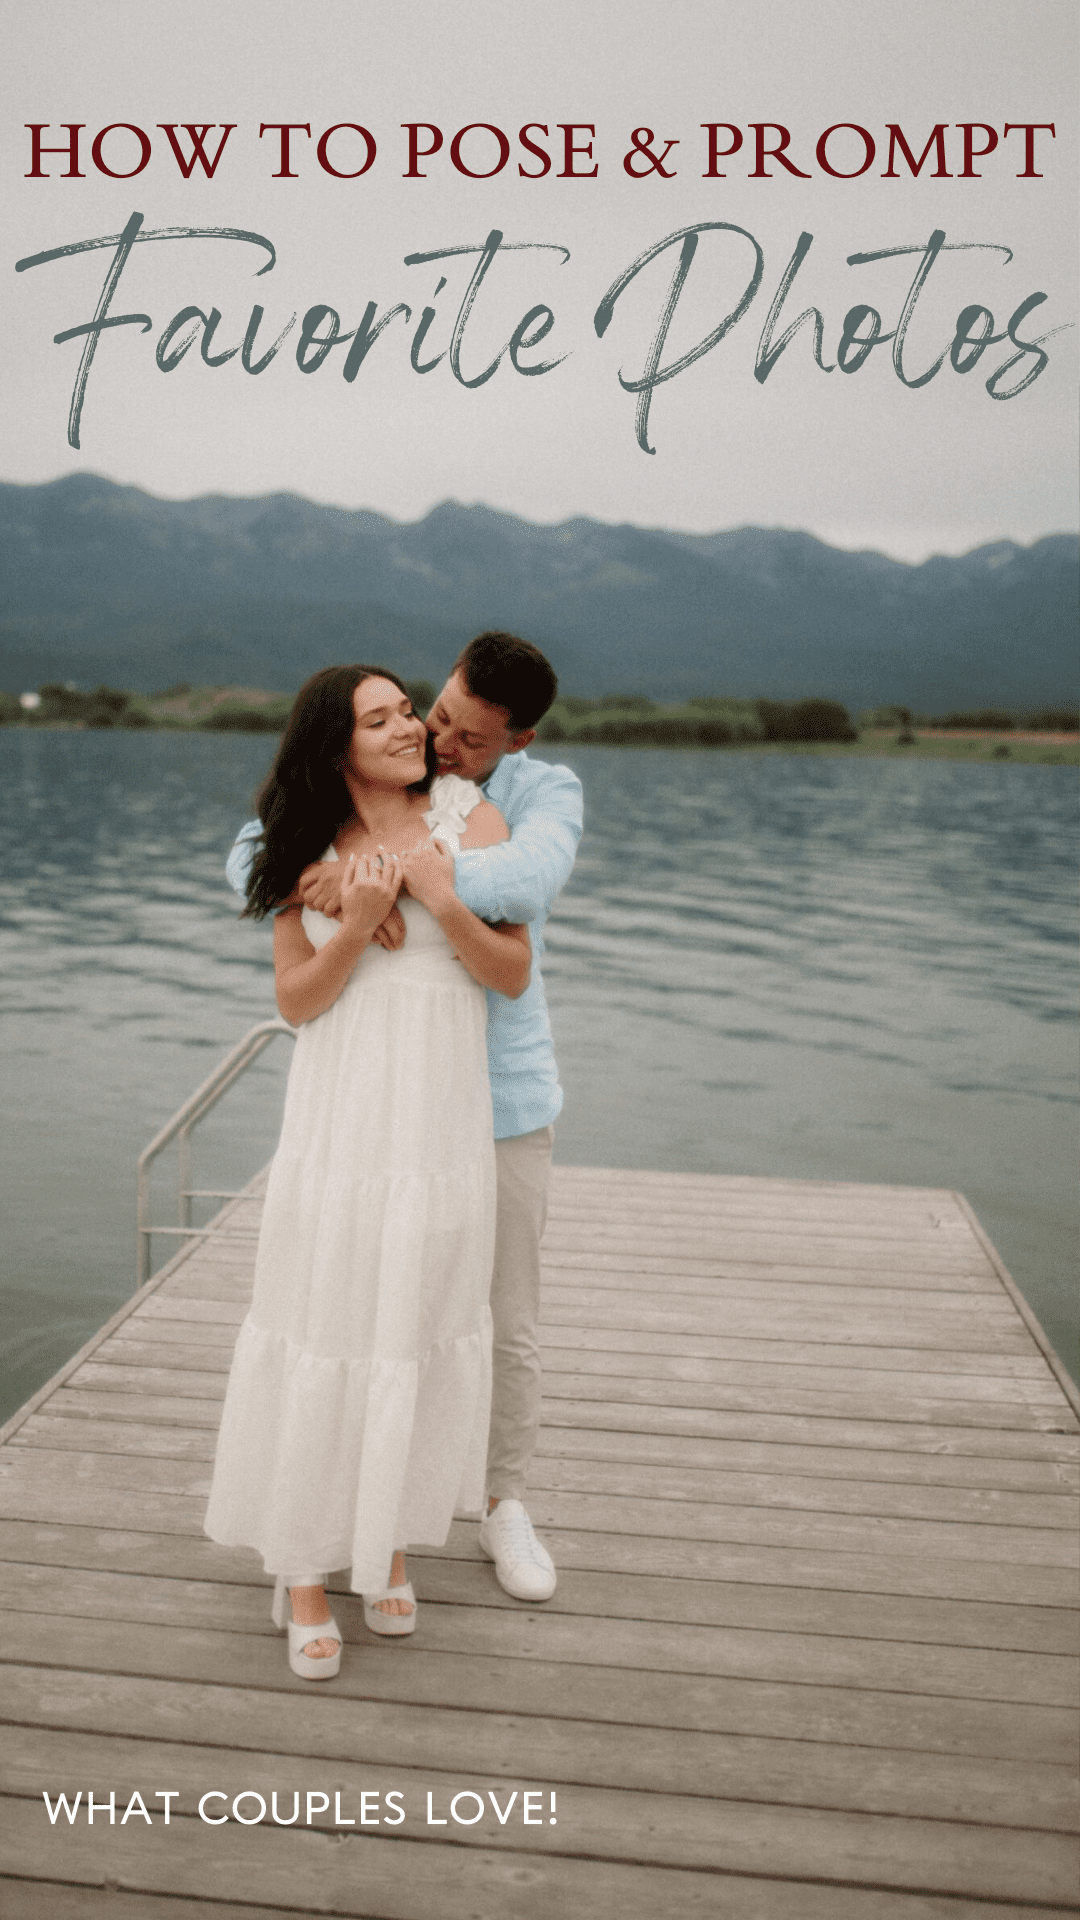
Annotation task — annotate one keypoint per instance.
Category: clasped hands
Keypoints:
(362, 891)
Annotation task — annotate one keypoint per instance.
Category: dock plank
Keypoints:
(1058, 1443)
(648, 1827)
(561, 1753)
(861, 1717)
(687, 1357)
(679, 1469)
(734, 1276)
(409, 1879)
(680, 1482)
(809, 1475)
(77, 1431)
(613, 1596)
(656, 1828)
(48, 1482)
(799, 1657)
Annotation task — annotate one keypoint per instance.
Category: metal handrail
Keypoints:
(181, 1127)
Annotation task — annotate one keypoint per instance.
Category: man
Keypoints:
(481, 723)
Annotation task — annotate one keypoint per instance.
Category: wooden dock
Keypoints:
(810, 1479)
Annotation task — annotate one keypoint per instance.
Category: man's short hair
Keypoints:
(509, 673)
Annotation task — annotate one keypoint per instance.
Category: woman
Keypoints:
(356, 1413)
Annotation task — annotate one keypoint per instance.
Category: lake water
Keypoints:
(764, 964)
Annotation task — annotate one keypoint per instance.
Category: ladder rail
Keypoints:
(180, 1128)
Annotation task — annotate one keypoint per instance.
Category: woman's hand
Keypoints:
(319, 887)
(369, 889)
(428, 876)
(309, 980)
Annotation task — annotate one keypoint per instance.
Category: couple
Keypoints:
(399, 1252)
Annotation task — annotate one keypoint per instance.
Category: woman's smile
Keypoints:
(388, 738)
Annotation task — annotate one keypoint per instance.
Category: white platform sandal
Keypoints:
(307, 1666)
(390, 1623)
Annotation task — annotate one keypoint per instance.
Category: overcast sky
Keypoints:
(858, 458)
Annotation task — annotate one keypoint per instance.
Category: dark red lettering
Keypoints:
(712, 128)
(936, 140)
(530, 146)
(285, 128)
(1029, 128)
(37, 128)
(344, 126)
(761, 127)
(478, 126)
(837, 172)
(570, 149)
(198, 152)
(144, 149)
(971, 151)
(416, 151)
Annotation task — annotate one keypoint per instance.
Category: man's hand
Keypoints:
(391, 934)
(319, 887)
(428, 876)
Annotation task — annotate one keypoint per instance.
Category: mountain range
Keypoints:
(105, 583)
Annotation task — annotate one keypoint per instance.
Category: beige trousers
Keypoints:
(523, 1167)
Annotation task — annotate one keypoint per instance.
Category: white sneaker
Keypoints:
(522, 1566)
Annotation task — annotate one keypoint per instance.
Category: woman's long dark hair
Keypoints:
(304, 799)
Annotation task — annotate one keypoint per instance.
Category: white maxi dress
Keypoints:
(357, 1408)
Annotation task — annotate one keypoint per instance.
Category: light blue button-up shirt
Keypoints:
(516, 881)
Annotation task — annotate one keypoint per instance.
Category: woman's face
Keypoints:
(387, 747)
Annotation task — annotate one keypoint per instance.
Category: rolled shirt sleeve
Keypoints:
(519, 879)
(241, 855)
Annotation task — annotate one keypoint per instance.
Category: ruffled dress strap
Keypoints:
(452, 801)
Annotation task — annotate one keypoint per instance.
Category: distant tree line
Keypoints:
(993, 720)
(68, 706)
(180, 707)
(709, 720)
(976, 720)
(616, 719)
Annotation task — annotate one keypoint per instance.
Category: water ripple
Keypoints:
(763, 964)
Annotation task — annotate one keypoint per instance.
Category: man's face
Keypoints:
(470, 734)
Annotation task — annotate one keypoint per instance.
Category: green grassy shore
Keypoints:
(804, 726)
